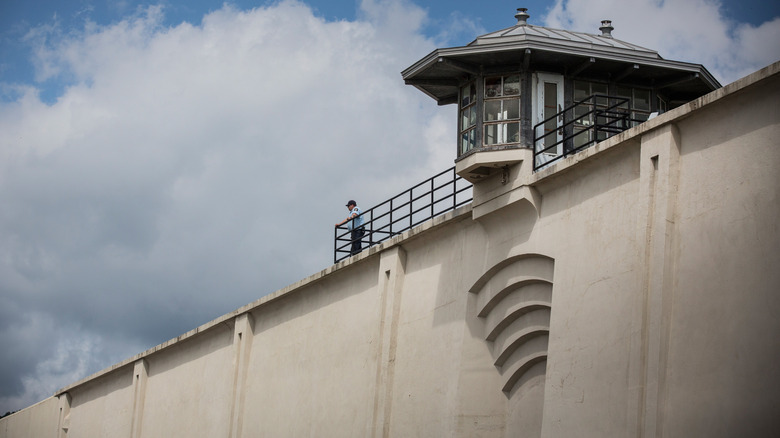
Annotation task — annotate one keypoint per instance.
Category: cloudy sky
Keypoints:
(162, 164)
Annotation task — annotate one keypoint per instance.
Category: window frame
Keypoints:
(467, 136)
(501, 127)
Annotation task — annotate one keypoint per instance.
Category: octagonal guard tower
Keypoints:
(552, 91)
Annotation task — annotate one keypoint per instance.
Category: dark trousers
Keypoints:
(357, 244)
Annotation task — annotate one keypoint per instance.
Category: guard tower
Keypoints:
(552, 91)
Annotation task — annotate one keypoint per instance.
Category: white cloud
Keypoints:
(683, 30)
(189, 170)
(755, 47)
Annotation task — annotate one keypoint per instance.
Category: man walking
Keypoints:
(355, 226)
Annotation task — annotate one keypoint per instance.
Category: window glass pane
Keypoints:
(467, 95)
(550, 137)
(661, 104)
(597, 88)
(513, 132)
(581, 90)
(512, 85)
(642, 100)
(467, 141)
(493, 87)
(625, 93)
(639, 117)
(511, 108)
(491, 134)
(550, 110)
(582, 114)
(550, 98)
(492, 110)
(550, 105)
(468, 117)
(581, 138)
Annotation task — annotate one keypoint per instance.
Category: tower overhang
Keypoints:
(573, 54)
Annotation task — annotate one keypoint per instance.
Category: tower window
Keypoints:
(468, 117)
(638, 104)
(502, 110)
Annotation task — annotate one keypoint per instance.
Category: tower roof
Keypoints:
(563, 39)
(576, 54)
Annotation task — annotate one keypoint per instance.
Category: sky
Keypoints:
(165, 163)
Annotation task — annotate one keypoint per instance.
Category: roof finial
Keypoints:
(522, 16)
(606, 28)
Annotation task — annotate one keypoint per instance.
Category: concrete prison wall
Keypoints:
(630, 290)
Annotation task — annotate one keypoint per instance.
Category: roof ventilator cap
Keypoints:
(606, 28)
(522, 16)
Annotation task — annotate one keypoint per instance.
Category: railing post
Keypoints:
(454, 189)
(391, 217)
(411, 208)
(432, 196)
(371, 229)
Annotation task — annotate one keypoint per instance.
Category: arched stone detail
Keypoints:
(514, 299)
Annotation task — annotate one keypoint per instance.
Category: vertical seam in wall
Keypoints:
(63, 423)
(380, 352)
(391, 356)
(236, 367)
(663, 151)
(391, 272)
(242, 340)
(669, 277)
(648, 245)
(140, 376)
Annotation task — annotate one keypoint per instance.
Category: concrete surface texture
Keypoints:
(629, 290)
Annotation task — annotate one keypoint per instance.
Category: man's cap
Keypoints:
(351, 202)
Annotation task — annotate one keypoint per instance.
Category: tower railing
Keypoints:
(439, 194)
(579, 126)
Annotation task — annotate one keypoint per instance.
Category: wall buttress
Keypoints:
(391, 278)
(242, 348)
(140, 376)
(64, 415)
(659, 176)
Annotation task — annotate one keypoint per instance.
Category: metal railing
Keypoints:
(443, 192)
(580, 125)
